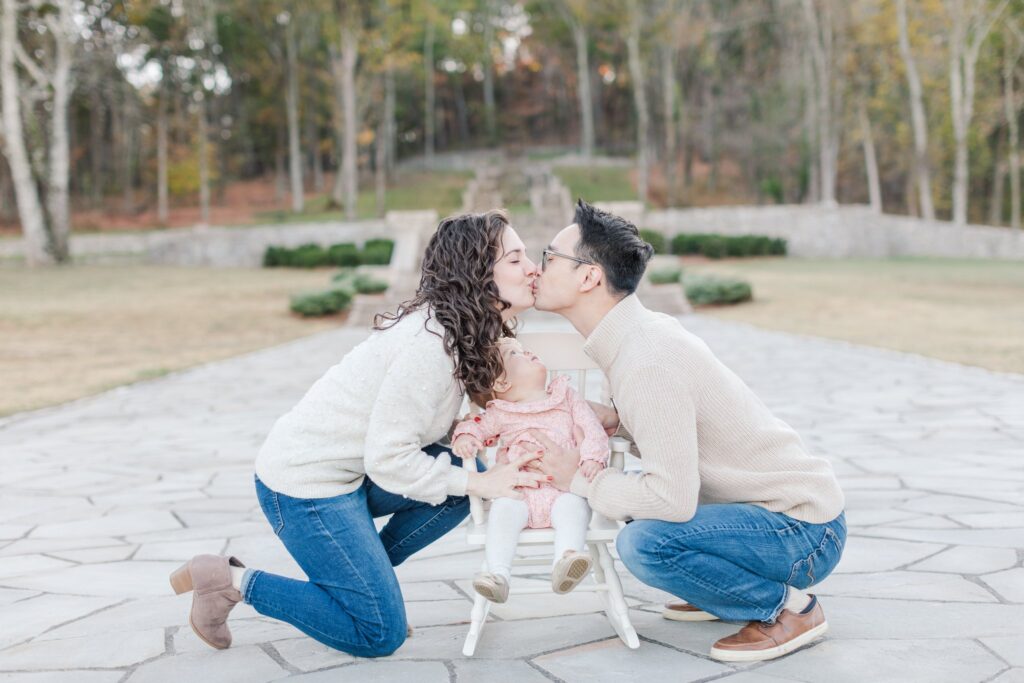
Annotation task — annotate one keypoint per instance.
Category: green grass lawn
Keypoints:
(969, 312)
(597, 184)
(441, 190)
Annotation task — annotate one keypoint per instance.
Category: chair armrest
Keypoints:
(619, 448)
(476, 503)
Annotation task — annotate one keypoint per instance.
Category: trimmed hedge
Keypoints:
(705, 290)
(718, 246)
(655, 239)
(665, 276)
(359, 282)
(375, 252)
(326, 302)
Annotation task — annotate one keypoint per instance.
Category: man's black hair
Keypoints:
(613, 243)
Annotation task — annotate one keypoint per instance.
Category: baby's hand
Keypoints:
(590, 468)
(466, 446)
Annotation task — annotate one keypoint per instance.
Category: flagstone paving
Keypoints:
(100, 499)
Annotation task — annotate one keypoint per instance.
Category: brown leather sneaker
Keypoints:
(677, 610)
(213, 597)
(759, 640)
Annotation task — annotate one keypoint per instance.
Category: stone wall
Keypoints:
(236, 247)
(844, 232)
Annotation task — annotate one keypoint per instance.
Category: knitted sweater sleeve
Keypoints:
(594, 445)
(663, 420)
(415, 383)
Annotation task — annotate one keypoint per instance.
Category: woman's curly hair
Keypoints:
(457, 288)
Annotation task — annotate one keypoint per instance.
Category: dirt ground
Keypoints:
(970, 312)
(74, 331)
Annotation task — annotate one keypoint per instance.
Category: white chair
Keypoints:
(562, 353)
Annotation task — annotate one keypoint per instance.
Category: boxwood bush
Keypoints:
(705, 290)
(344, 254)
(665, 276)
(718, 246)
(655, 239)
(326, 302)
(375, 252)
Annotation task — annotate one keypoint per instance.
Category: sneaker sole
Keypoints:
(576, 572)
(489, 591)
(772, 652)
(676, 615)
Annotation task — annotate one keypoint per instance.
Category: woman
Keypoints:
(360, 444)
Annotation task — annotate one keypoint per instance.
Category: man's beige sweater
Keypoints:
(702, 434)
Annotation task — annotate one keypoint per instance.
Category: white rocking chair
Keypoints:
(561, 352)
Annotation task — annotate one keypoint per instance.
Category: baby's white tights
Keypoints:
(570, 518)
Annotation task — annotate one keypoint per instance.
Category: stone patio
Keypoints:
(102, 498)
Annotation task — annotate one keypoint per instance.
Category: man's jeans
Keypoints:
(352, 601)
(733, 560)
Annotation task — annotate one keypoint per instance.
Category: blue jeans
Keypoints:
(352, 601)
(732, 560)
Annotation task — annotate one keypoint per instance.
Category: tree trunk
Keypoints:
(579, 34)
(280, 175)
(639, 97)
(30, 209)
(380, 161)
(348, 92)
(204, 166)
(918, 118)
(668, 87)
(161, 154)
(821, 36)
(129, 151)
(870, 162)
(813, 194)
(292, 107)
(57, 196)
(488, 67)
(96, 146)
(428, 89)
(1013, 152)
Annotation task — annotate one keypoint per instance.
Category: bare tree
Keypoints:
(428, 89)
(972, 21)
(917, 117)
(1013, 49)
(573, 12)
(870, 161)
(488, 67)
(291, 49)
(828, 87)
(344, 57)
(636, 72)
(39, 161)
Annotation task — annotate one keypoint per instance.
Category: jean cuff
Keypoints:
(781, 606)
(248, 578)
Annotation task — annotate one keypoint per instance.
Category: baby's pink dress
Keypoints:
(555, 417)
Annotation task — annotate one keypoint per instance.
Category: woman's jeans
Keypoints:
(735, 561)
(352, 601)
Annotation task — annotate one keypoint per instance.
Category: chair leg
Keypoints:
(615, 602)
(477, 619)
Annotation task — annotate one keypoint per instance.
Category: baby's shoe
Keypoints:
(572, 568)
(494, 587)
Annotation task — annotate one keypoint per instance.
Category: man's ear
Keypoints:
(593, 279)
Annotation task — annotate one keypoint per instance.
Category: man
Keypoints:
(730, 513)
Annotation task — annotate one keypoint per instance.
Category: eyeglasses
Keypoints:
(548, 253)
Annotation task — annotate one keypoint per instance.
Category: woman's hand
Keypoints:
(608, 416)
(504, 481)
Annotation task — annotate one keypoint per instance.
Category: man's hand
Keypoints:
(590, 468)
(607, 415)
(559, 464)
(467, 446)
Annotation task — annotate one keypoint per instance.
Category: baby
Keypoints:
(523, 404)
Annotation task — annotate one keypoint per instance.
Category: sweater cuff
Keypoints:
(458, 478)
(579, 485)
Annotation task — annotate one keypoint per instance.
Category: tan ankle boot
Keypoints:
(209, 577)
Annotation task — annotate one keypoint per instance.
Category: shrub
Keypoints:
(687, 244)
(307, 256)
(714, 246)
(664, 276)
(655, 239)
(777, 247)
(364, 284)
(275, 256)
(344, 254)
(704, 290)
(326, 302)
(377, 252)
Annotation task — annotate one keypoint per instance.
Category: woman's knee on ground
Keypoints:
(382, 639)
